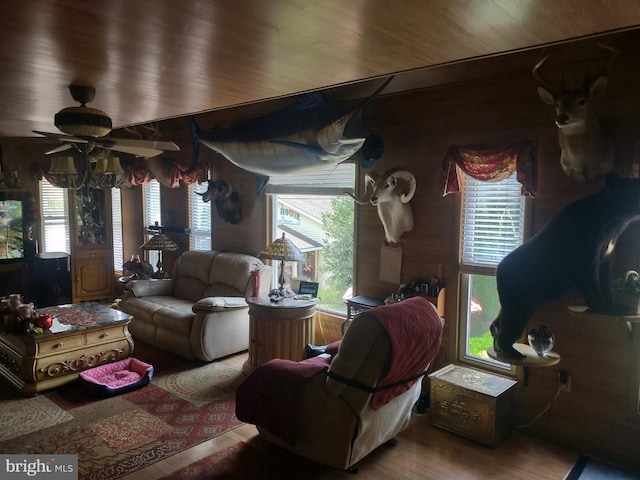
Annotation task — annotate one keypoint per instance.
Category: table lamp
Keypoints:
(162, 243)
(282, 249)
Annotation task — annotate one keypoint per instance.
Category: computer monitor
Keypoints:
(308, 288)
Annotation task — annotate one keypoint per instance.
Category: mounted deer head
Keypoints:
(587, 151)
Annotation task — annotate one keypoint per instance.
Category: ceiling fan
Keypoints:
(86, 127)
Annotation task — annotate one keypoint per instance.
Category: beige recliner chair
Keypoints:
(336, 409)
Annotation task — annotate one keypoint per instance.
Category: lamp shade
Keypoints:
(160, 242)
(282, 249)
(107, 166)
(63, 165)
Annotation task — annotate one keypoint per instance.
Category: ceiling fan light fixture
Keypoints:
(63, 165)
(108, 166)
(83, 122)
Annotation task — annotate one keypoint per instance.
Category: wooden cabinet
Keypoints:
(34, 363)
(91, 245)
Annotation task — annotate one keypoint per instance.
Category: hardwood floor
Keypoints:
(420, 452)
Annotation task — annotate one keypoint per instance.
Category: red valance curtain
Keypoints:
(140, 171)
(491, 164)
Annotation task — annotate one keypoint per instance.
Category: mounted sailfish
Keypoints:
(308, 135)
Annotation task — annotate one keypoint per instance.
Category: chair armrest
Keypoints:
(145, 288)
(219, 304)
(271, 395)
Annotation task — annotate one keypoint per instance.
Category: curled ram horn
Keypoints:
(370, 180)
(217, 188)
(227, 201)
(391, 193)
(408, 177)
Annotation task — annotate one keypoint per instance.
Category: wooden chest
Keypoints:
(475, 404)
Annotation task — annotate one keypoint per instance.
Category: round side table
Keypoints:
(278, 330)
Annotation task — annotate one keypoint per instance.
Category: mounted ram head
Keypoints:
(587, 151)
(391, 193)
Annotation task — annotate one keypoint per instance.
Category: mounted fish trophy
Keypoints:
(309, 135)
(587, 150)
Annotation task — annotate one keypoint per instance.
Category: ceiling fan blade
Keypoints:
(152, 144)
(137, 151)
(61, 148)
(61, 137)
(140, 148)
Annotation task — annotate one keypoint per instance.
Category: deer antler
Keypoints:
(550, 86)
(614, 53)
(133, 131)
(153, 127)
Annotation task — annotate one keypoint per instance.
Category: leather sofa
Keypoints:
(200, 312)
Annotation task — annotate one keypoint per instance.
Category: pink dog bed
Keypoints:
(116, 378)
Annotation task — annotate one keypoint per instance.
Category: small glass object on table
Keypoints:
(541, 340)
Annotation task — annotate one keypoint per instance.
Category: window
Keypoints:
(55, 230)
(199, 220)
(492, 226)
(315, 214)
(116, 220)
(152, 216)
(634, 378)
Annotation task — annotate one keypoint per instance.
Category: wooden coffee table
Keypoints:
(83, 336)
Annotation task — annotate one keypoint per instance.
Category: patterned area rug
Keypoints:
(195, 385)
(237, 462)
(116, 436)
(20, 416)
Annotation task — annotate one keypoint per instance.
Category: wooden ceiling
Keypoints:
(157, 59)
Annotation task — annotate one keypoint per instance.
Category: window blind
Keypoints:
(151, 194)
(330, 180)
(199, 220)
(492, 220)
(152, 214)
(116, 220)
(55, 218)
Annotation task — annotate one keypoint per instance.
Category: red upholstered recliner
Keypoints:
(336, 410)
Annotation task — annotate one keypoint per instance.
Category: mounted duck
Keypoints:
(306, 136)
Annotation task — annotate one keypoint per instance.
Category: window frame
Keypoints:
(150, 190)
(116, 230)
(466, 270)
(197, 234)
(45, 219)
(273, 228)
(634, 377)
(332, 181)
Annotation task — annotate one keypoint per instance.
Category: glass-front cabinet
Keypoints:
(91, 244)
